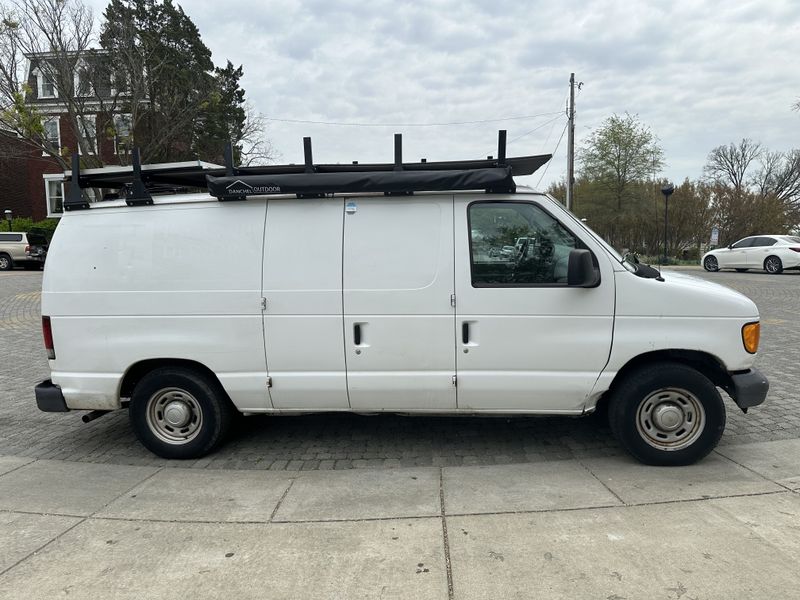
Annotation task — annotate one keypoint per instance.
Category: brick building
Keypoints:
(30, 179)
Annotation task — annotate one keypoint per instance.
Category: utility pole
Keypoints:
(571, 141)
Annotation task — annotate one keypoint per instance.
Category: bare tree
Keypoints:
(57, 35)
(729, 164)
(255, 147)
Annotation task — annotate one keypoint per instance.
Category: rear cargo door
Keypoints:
(302, 289)
(398, 318)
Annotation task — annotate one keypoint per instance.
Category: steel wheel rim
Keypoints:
(772, 265)
(4, 263)
(670, 419)
(711, 263)
(174, 416)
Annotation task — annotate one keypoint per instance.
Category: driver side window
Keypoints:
(517, 244)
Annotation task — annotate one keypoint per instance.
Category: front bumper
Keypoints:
(50, 398)
(748, 388)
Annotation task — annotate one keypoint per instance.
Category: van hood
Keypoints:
(680, 295)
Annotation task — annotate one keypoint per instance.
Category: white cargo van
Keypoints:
(376, 288)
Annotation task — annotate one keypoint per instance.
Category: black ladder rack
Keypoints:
(493, 175)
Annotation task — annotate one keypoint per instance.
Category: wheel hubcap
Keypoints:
(174, 415)
(670, 419)
(177, 414)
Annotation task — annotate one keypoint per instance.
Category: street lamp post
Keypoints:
(667, 191)
(9, 216)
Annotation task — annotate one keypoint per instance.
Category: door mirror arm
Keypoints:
(581, 272)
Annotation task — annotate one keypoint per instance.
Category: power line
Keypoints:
(545, 124)
(341, 124)
(561, 137)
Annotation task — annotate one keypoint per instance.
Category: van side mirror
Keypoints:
(580, 270)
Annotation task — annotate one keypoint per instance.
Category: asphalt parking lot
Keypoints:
(323, 442)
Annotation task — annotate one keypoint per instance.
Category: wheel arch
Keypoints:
(707, 364)
(138, 370)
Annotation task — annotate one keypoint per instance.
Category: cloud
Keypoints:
(699, 73)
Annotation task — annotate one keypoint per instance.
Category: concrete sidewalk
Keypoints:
(605, 528)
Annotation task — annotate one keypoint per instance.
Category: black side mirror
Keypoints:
(580, 270)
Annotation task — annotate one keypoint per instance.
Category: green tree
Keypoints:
(619, 154)
(182, 107)
(156, 53)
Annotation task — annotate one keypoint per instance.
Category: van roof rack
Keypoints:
(308, 180)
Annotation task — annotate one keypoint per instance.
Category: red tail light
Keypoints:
(795, 249)
(27, 249)
(47, 333)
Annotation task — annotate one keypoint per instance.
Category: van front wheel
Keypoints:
(180, 413)
(667, 414)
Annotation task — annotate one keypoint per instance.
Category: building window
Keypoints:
(120, 84)
(122, 134)
(47, 88)
(88, 129)
(52, 134)
(54, 192)
(83, 81)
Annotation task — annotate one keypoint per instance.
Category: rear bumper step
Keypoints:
(50, 398)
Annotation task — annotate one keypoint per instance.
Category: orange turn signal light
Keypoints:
(750, 336)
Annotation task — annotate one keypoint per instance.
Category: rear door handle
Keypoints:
(357, 334)
(465, 333)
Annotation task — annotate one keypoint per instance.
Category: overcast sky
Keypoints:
(698, 73)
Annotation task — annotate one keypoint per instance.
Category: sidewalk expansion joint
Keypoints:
(764, 477)
(445, 539)
(603, 483)
(280, 500)
(440, 517)
(83, 519)
(30, 462)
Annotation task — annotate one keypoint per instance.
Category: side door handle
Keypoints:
(465, 333)
(357, 334)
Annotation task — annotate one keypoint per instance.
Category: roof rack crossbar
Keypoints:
(75, 199)
(230, 171)
(138, 196)
(398, 151)
(308, 155)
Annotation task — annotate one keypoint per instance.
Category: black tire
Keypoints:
(184, 392)
(663, 391)
(6, 264)
(741, 270)
(773, 265)
(711, 264)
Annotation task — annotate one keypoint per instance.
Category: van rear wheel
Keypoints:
(180, 413)
(667, 414)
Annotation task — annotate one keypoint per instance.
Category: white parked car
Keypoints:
(398, 305)
(772, 253)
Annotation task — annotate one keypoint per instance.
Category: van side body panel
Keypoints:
(303, 292)
(124, 285)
